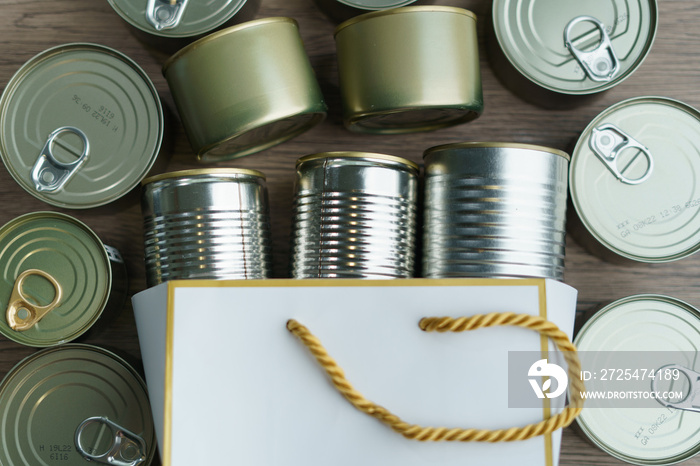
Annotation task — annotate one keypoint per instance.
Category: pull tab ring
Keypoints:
(688, 403)
(165, 14)
(19, 303)
(601, 64)
(127, 449)
(608, 141)
(48, 173)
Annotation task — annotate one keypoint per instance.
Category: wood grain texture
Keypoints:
(672, 69)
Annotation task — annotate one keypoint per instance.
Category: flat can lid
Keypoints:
(532, 35)
(633, 179)
(109, 121)
(46, 397)
(376, 4)
(69, 252)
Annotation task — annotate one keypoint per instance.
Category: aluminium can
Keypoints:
(409, 69)
(245, 89)
(206, 224)
(57, 279)
(633, 181)
(641, 323)
(354, 216)
(560, 55)
(72, 403)
(494, 210)
(80, 125)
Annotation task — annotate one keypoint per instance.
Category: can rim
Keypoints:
(224, 32)
(203, 171)
(355, 121)
(358, 155)
(498, 145)
(354, 5)
(405, 9)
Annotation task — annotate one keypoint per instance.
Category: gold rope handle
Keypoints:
(448, 324)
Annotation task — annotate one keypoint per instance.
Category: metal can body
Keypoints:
(354, 216)
(46, 399)
(633, 181)
(494, 210)
(244, 89)
(409, 69)
(80, 125)
(206, 224)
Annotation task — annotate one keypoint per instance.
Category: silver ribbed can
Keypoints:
(206, 224)
(354, 216)
(494, 210)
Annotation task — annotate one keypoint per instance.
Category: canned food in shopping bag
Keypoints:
(556, 54)
(80, 125)
(206, 224)
(341, 10)
(494, 210)
(633, 181)
(354, 216)
(57, 279)
(72, 404)
(244, 89)
(409, 69)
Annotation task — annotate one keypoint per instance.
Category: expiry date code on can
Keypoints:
(101, 114)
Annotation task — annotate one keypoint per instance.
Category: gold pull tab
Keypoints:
(23, 315)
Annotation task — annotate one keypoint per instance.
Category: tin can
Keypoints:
(80, 125)
(57, 278)
(74, 403)
(354, 216)
(494, 210)
(275, 97)
(642, 323)
(633, 181)
(409, 69)
(206, 224)
(556, 56)
(341, 10)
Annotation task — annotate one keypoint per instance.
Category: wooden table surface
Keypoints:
(672, 69)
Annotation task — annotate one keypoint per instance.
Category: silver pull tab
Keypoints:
(165, 14)
(48, 174)
(688, 403)
(128, 449)
(608, 141)
(600, 64)
(113, 254)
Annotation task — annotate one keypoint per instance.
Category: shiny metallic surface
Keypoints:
(206, 224)
(494, 210)
(244, 89)
(409, 69)
(354, 216)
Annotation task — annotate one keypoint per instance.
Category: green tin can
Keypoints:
(555, 53)
(244, 89)
(409, 69)
(56, 279)
(73, 404)
(80, 125)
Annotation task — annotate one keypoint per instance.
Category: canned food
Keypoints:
(340, 10)
(275, 96)
(494, 210)
(80, 125)
(654, 434)
(409, 69)
(354, 216)
(546, 52)
(633, 180)
(74, 403)
(206, 224)
(56, 279)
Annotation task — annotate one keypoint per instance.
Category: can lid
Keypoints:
(71, 254)
(81, 125)
(354, 156)
(220, 172)
(376, 4)
(642, 323)
(633, 179)
(407, 9)
(177, 19)
(497, 145)
(575, 48)
(46, 399)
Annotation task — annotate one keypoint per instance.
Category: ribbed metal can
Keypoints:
(354, 216)
(494, 210)
(206, 224)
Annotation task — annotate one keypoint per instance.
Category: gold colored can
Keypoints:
(409, 69)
